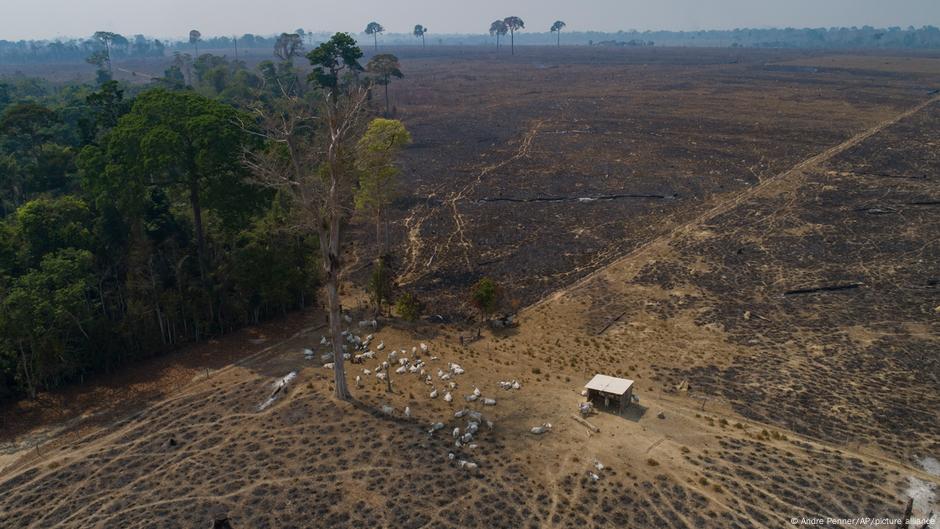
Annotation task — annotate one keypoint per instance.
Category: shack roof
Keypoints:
(607, 384)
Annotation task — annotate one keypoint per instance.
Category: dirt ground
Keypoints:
(781, 325)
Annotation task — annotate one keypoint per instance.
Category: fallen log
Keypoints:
(611, 322)
(826, 288)
(876, 210)
(886, 175)
(579, 199)
(583, 422)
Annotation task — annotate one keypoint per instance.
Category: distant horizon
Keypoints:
(172, 19)
(521, 34)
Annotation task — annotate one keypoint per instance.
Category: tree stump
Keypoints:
(221, 522)
(220, 518)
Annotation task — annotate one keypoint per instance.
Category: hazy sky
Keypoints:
(174, 18)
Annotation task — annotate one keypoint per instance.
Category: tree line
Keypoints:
(138, 219)
(137, 46)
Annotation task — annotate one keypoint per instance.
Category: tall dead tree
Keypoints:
(309, 158)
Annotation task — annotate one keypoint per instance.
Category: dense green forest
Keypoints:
(131, 223)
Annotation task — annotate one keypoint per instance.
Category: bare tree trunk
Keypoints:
(197, 224)
(387, 242)
(30, 383)
(512, 42)
(387, 109)
(322, 183)
(341, 390)
(378, 235)
(330, 248)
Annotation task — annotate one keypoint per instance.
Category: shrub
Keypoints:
(486, 296)
(408, 307)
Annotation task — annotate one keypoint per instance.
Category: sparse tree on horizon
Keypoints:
(498, 28)
(419, 32)
(102, 61)
(288, 45)
(305, 34)
(384, 66)
(556, 29)
(108, 38)
(374, 28)
(513, 24)
(194, 37)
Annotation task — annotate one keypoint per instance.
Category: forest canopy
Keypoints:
(130, 224)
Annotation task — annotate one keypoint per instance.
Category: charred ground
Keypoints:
(540, 169)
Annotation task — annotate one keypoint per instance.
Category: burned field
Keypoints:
(540, 169)
(834, 285)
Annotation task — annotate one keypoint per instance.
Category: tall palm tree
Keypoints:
(374, 28)
(419, 32)
(513, 24)
(498, 28)
(556, 28)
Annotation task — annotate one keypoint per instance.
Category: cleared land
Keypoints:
(541, 169)
(792, 282)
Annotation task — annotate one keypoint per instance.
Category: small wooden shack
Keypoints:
(609, 392)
